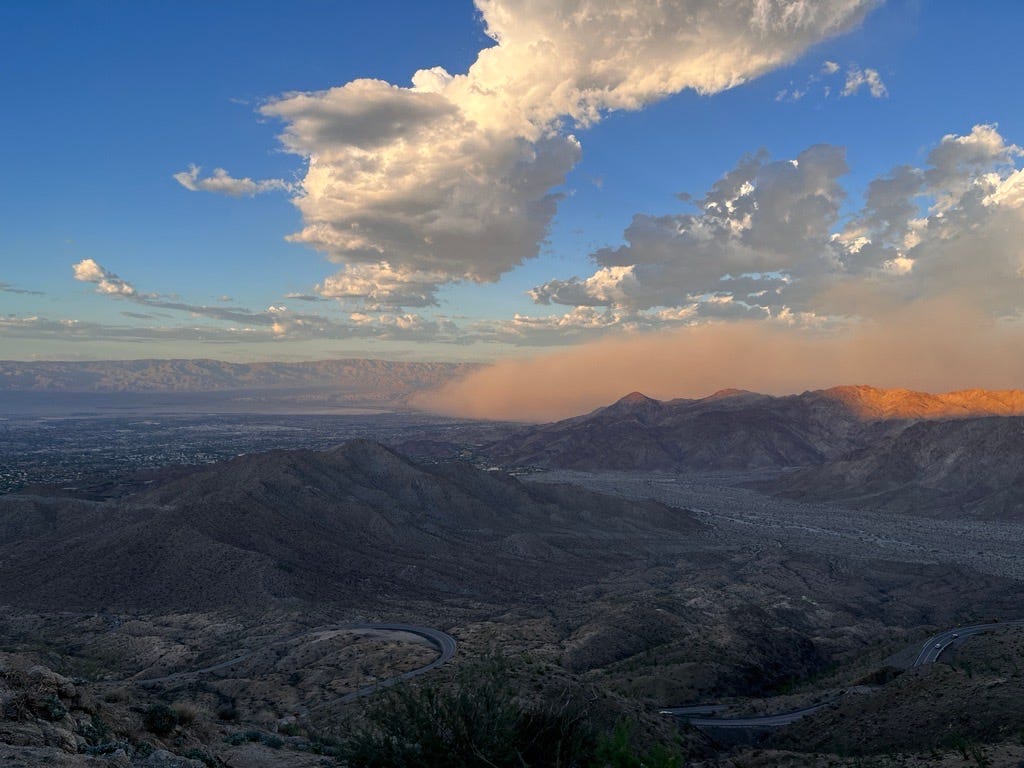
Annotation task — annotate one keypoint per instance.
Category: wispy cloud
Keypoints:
(8, 288)
(276, 322)
(823, 82)
(857, 79)
(223, 183)
(311, 297)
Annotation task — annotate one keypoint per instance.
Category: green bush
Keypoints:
(241, 737)
(616, 750)
(481, 722)
(96, 731)
(160, 720)
(54, 709)
(143, 749)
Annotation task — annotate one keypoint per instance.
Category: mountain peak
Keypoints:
(635, 398)
(731, 392)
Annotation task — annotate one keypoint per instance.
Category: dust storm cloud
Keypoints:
(935, 347)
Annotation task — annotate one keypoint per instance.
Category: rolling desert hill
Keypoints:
(966, 466)
(347, 527)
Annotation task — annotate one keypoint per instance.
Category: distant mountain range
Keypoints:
(351, 376)
(347, 527)
(890, 448)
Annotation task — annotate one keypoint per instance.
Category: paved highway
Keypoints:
(761, 721)
(937, 645)
(443, 642)
(702, 715)
(695, 711)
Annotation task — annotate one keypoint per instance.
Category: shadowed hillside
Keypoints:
(972, 466)
(346, 526)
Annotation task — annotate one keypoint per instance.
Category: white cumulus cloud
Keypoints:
(455, 177)
(89, 271)
(767, 240)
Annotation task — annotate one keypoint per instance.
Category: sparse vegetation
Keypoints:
(160, 720)
(53, 709)
(754, 602)
(483, 720)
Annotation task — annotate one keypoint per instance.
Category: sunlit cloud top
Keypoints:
(455, 177)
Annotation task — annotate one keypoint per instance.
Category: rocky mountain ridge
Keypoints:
(909, 451)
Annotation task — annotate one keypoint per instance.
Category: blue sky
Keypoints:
(107, 101)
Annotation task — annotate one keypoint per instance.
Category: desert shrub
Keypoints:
(482, 721)
(616, 750)
(241, 737)
(272, 741)
(15, 706)
(54, 709)
(324, 744)
(116, 696)
(185, 712)
(291, 729)
(160, 720)
(96, 731)
(143, 749)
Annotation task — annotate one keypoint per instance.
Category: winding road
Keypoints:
(937, 645)
(702, 716)
(445, 644)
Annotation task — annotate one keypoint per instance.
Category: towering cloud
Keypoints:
(766, 241)
(455, 177)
